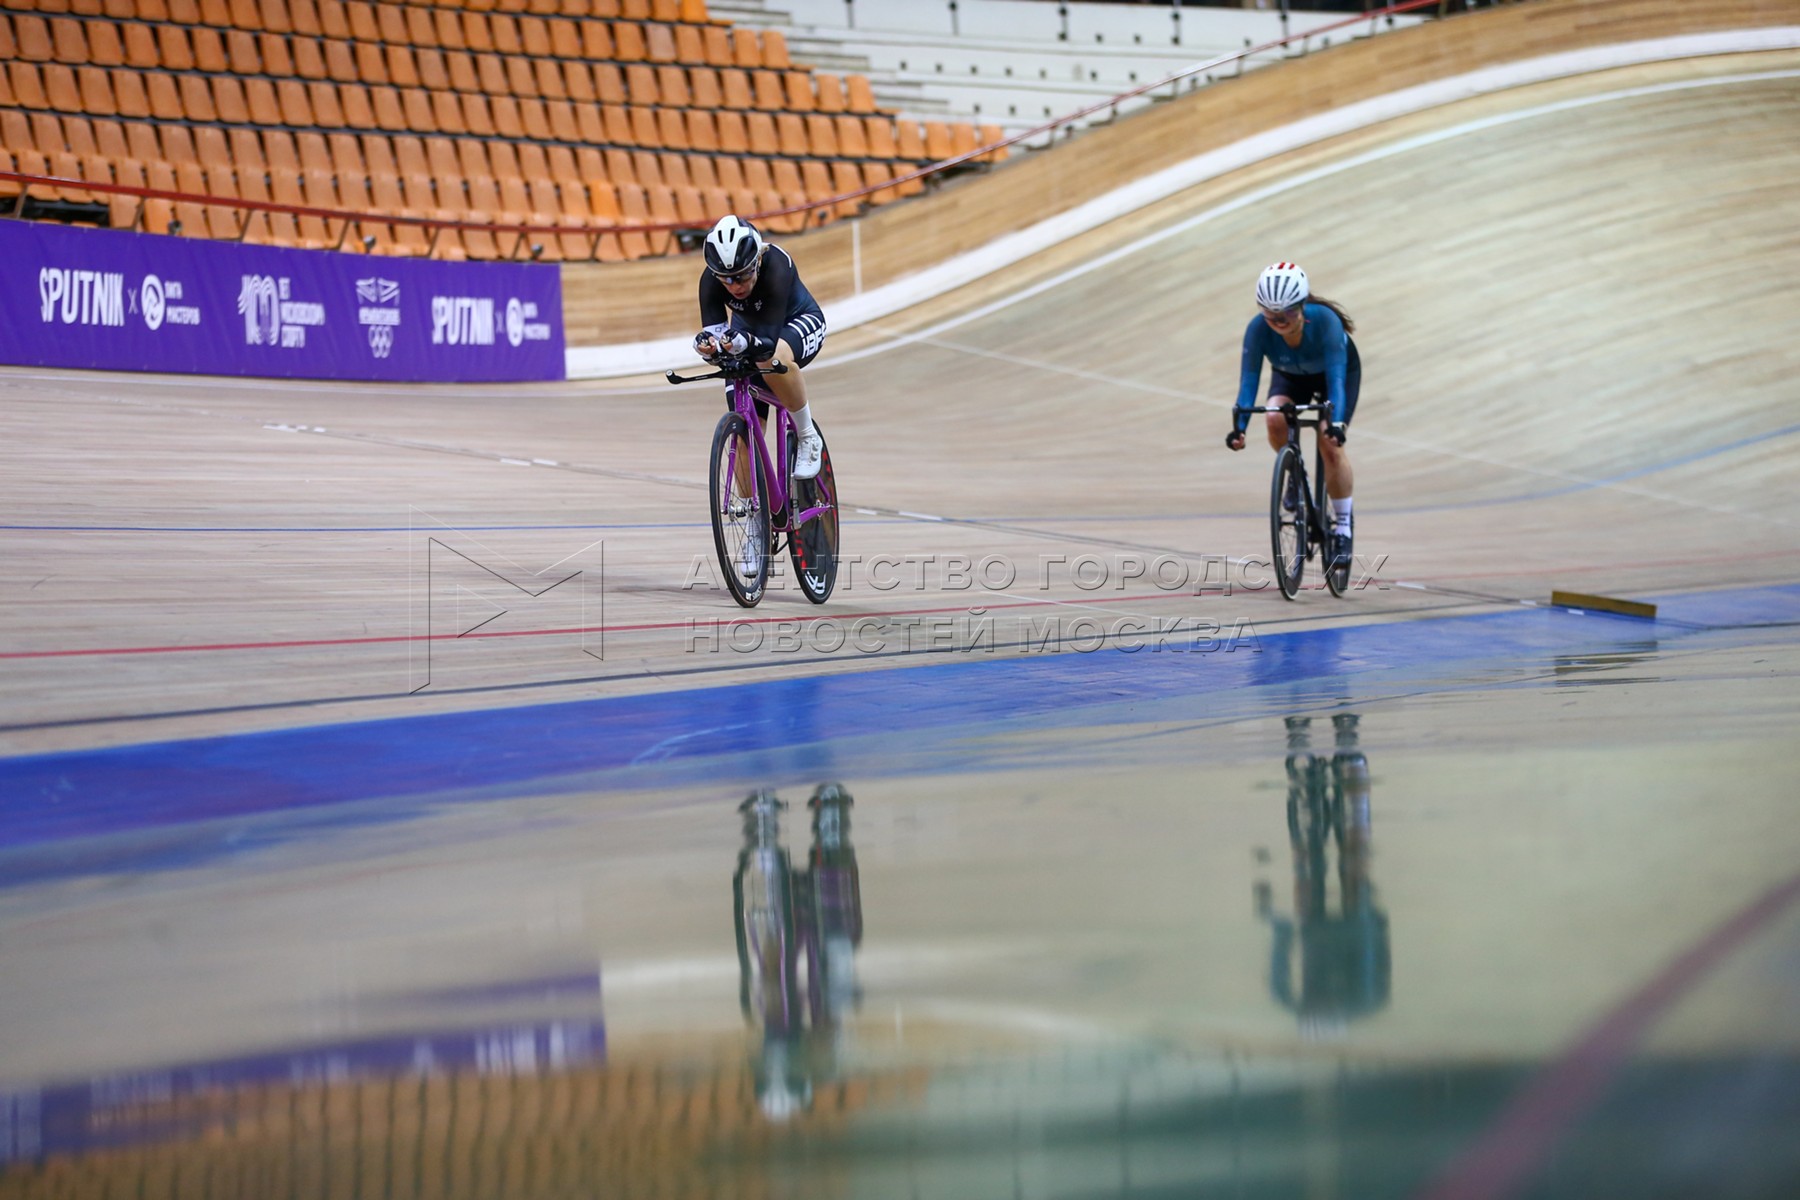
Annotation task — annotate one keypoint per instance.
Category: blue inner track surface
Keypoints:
(886, 722)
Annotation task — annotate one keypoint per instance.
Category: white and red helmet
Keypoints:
(1280, 286)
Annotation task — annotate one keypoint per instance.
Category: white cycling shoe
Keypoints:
(808, 455)
(750, 557)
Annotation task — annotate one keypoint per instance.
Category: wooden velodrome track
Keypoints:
(1572, 317)
(1574, 303)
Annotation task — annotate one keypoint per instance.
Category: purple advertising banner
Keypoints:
(111, 300)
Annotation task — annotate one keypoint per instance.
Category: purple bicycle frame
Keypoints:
(744, 394)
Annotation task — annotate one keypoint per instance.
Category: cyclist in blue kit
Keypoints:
(1306, 340)
(752, 302)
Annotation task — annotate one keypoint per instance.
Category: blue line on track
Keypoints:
(880, 722)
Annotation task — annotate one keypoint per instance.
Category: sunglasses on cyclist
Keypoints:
(1283, 316)
(744, 276)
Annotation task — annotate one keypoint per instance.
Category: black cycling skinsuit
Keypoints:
(779, 306)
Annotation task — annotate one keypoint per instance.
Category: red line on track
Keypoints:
(1538, 1117)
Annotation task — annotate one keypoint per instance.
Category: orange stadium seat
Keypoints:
(939, 143)
(860, 95)
(402, 67)
(96, 91)
(609, 83)
(672, 87)
(155, 214)
(734, 136)
(309, 59)
(165, 99)
(565, 39)
(209, 50)
(694, 11)
(68, 41)
(433, 74)
(173, 48)
(128, 93)
(790, 130)
(765, 138)
(578, 82)
(390, 20)
(704, 91)
(640, 84)
(850, 139)
(745, 52)
(241, 54)
(364, 26)
(505, 30)
(770, 95)
(821, 135)
(702, 133)
(104, 47)
(463, 76)
(535, 118)
(735, 86)
(799, 88)
(628, 43)
(140, 47)
(478, 119)
(265, 107)
(476, 35)
(719, 51)
(420, 31)
(830, 93)
(596, 40)
(690, 45)
(304, 17)
(491, 69)
(178, 144)
(340, 60)
(911, 140)
(196, 98)
(31, 39)
(273, 16)
(659, 43)
(449, 29)
(549, 79)
(671, 129)
(563, 126)
(508, 121)
(775, 50)
(643, 126)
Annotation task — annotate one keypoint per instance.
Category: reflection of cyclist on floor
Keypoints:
(752, 302)
(1343, 947)
(789, 921)
(1306, 340)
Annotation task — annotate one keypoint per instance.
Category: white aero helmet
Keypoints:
(732, 247)
(1280, 286)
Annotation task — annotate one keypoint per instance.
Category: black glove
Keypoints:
(706, 346)
(1234, 440)
(1337, 433)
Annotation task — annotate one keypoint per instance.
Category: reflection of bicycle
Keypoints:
(792, 923)
(751, 495)
(1341, 940)
(1298, 514)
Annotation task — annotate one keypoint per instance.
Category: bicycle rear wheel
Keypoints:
(814, 545)
(1288, 517)
(740, 522)
(1337, 575)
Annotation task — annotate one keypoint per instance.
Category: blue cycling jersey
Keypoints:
(1322, 351)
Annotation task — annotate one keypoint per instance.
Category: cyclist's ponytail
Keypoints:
(1334, 306)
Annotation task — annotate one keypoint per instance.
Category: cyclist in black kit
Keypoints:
(752, 302)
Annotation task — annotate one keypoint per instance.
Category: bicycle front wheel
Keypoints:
(740, 512)
(1288, 516)
(814, 545)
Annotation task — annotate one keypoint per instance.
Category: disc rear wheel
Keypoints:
(814, 545)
